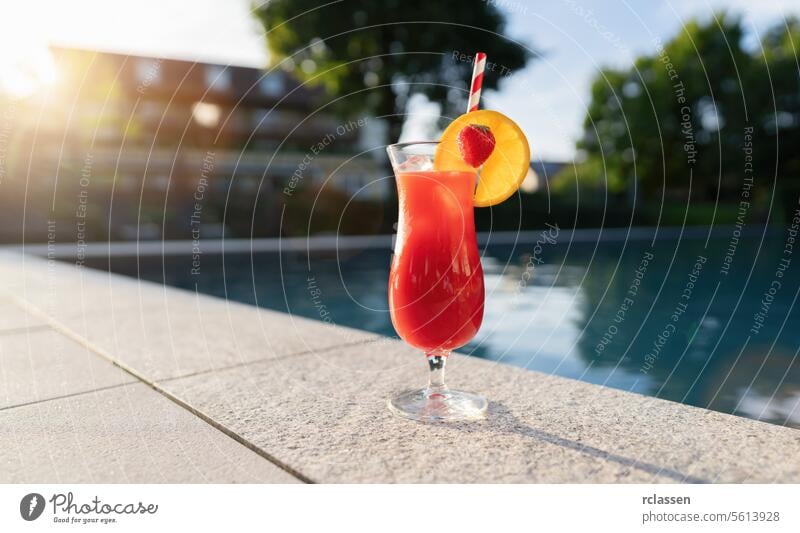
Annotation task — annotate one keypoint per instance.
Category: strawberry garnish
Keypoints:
(476, 143)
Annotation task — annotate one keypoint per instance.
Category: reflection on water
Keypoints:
(677, 328)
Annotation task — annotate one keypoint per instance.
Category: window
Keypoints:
(272, 85)
(151, 111)
(218, 77)
(259, 119)
(206, 114)
(148, 72)
(267, 118)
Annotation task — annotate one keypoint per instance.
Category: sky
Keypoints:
(548, 99)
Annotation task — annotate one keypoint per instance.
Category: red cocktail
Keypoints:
(436, 281)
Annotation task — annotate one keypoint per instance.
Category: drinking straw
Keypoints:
(477, 81)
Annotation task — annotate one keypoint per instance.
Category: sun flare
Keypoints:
(26, 64)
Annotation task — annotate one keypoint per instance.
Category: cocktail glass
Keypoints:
(436, 282)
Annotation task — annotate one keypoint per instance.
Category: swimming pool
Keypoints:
(710, 322)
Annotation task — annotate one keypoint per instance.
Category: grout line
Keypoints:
(232, 434)
(70, 395)
(64, 330)
(271, 359)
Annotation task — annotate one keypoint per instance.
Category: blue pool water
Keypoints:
(712, 323)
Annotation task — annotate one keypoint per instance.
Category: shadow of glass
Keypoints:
(503, 420)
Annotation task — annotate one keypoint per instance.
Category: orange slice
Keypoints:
(501, 175)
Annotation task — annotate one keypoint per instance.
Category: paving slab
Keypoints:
(14, 318)
(163, 332)
(103, 437)
(312, 397)
(64, 291)
(199, 336)
(326, 416)
(44, 364)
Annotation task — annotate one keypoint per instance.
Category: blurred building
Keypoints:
(122, 147)
(539, 175)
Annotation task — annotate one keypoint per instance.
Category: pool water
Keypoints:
(711, 323)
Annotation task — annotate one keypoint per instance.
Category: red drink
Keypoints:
(436, 280)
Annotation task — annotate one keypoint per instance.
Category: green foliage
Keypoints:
(374, 55)
(676, 119)
(776, 85)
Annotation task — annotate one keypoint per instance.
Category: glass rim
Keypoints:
(400, 154)
(400, 146)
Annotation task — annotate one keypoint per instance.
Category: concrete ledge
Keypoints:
(307, 400)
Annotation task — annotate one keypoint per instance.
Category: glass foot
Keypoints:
(431, 405)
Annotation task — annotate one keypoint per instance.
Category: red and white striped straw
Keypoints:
(477, 81)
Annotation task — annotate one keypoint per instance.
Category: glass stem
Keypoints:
(436, 362)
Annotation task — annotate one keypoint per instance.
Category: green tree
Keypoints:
(390, 50)
(683, 112)
(775, 85)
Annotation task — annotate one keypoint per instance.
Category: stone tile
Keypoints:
(13, 317)
(128, 434)
(43, 364)
(202, 335)
(69, 293)
(162, 332)
(63, 291)
(697, 444)
(326, 416)
(12, 269)
(25, 272)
